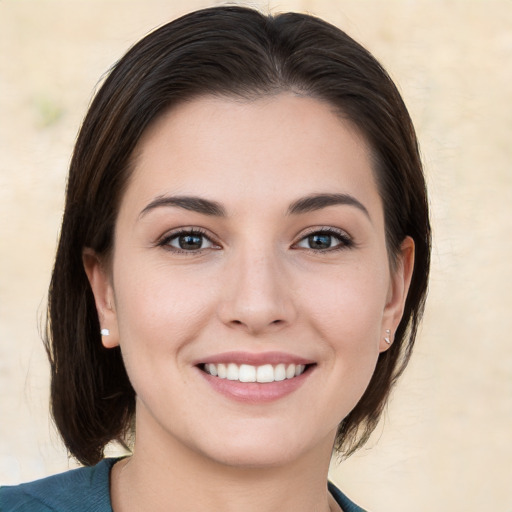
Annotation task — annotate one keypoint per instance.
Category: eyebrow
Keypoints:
(318, 201)
(213, 208)
(192, 203)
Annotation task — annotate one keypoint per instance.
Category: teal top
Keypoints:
(86, 490)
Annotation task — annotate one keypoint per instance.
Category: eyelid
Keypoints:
(164, 240)
(346, 240)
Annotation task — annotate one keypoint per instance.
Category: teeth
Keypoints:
(222, 371)
(280, 372)
(249, 373)
(265, 373)
(232, 373)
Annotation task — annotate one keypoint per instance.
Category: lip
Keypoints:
(255, 392)
(254, 359)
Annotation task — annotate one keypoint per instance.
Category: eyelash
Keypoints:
(165, 242)
(345, 242)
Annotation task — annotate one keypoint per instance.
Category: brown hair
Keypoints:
(233, 51)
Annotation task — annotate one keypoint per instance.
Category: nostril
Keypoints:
(239, 322)
(257, 324)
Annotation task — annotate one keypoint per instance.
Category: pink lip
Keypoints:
(254, 359)
(255, 392)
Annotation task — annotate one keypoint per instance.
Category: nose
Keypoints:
(256, 296)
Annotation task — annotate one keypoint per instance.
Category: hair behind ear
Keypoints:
(92, 400)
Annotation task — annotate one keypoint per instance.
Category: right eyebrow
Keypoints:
(318, 201)
(192, 203)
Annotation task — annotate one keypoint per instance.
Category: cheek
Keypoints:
(349, 306)
(348, 319)
(156, 308)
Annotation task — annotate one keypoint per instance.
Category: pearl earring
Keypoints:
(386, 338)
(105, 332)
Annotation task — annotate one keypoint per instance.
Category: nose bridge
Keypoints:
(256, 296)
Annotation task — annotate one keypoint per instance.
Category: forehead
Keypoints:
(272, 149)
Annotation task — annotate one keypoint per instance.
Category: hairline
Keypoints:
(238, 95)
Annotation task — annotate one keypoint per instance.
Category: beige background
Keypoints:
(446, 442)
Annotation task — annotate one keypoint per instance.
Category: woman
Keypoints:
(241, 270)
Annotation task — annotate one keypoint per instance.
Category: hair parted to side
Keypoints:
(235, 52)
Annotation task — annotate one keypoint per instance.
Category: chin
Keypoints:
(255, 450)
(255, 458)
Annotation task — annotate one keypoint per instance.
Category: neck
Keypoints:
(171, 477)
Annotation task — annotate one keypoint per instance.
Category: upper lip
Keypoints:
(254, 359)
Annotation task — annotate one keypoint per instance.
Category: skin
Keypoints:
(256, 286)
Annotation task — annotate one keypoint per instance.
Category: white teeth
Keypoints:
(232, 373)
(299, 369)
(280, 372)
(249, 373)
(265, 373)
(221, 371)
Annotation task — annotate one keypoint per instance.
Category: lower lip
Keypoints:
(256, 392)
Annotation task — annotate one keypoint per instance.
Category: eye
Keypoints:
(188, 241)
(325, 240)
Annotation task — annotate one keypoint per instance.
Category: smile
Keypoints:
(248, 373)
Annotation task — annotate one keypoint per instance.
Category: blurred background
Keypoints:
(446, 440)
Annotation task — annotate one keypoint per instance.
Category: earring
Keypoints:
(105, 332)
(386, 338)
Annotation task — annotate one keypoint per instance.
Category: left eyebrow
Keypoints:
(318, 201)
(192, 203)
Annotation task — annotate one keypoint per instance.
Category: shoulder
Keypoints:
(81, 490)
(345, 504)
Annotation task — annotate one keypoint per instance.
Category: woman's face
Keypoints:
(249, 287)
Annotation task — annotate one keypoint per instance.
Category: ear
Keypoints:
(101, 286)
(398, 288)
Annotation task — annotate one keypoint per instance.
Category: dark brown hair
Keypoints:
(228, 51)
